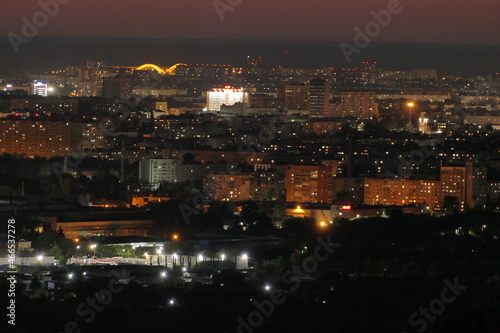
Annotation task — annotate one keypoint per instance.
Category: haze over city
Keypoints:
(421, 21)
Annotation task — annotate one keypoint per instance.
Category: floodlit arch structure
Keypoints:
(147, 67)
(162, 71)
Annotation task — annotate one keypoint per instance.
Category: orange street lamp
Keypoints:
(410, 105)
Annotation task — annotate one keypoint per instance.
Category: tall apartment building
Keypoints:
(307, 183)
(227, 186)
(296, 97)
(94, 137)
(267, 185)
(117, 87)
(467, 183)
(356, 104)
(39, 137)
(156, 171)
(319, 98)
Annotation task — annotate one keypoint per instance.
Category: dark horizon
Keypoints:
(48, 53)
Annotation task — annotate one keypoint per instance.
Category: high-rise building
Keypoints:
(85, 89)
(467, 184)
(356, 104)
(296, 97)
(117, 87)
(319, 98)
(267, 185)
(156, 171)
(226, 96)
(307, 183)
(368, 72)
(90, 82)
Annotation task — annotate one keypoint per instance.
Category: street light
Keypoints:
(93, 246)
(410, 105)
(222, 257)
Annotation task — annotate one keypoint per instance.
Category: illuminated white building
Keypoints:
(156, 171)
(226, 96)
(39, 88)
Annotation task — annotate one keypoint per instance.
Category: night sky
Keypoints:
(449, 21)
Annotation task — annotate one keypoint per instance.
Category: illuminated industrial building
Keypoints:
(39, 88)
(225, 96)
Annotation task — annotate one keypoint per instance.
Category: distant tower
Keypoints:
(319, 98)
(368, 72)
(117, 87)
